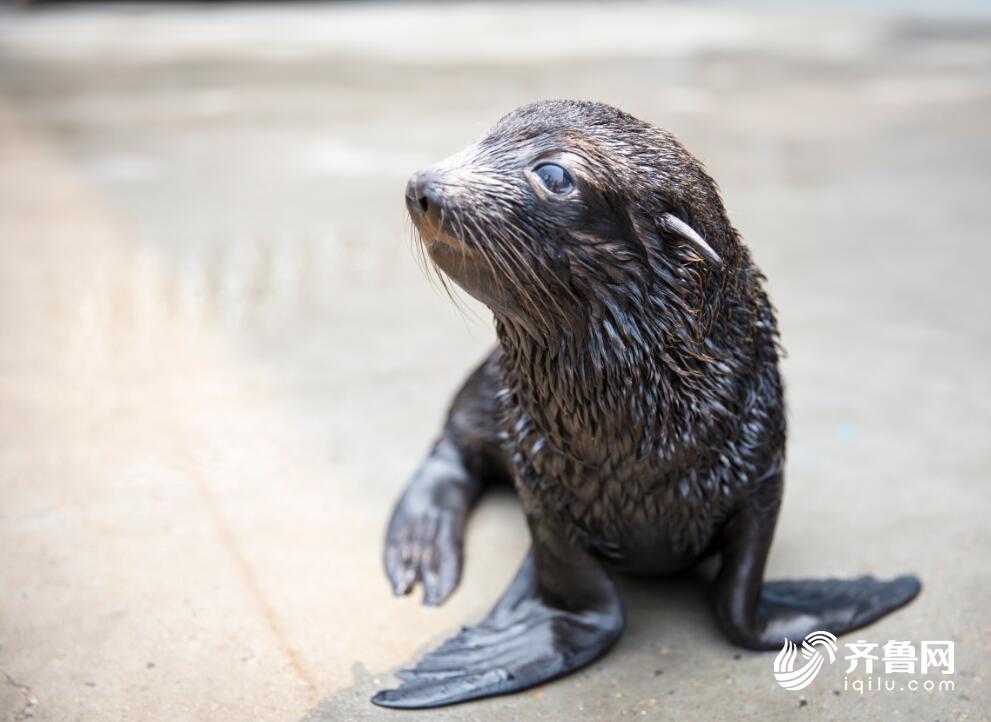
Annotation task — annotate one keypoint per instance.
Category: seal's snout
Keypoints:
(423, 199)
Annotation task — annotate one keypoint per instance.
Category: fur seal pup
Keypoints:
(634, 401)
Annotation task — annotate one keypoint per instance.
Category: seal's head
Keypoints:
(567, 208)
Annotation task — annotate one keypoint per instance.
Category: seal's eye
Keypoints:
(554, 178)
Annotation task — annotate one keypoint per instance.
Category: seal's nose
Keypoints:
(423, 198)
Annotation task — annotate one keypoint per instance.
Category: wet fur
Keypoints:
(634, 399)
(643, 381)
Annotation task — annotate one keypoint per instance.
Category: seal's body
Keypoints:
(634, 400)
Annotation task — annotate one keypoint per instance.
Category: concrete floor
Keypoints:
(219, 360)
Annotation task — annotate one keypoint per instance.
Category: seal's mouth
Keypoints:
(443, 243)
(449, 235)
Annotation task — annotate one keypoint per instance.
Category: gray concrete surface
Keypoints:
(219, 360)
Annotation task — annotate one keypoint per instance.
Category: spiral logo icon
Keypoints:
(784, 664)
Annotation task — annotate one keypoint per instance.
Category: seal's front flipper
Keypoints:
(760, 615)
(425, 539)
(524, 641)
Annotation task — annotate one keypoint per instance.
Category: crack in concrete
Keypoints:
(29, 699)
(251, 581)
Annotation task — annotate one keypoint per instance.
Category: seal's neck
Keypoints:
(643, 372)
(619, 389)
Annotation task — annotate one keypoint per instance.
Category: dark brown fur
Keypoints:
(638, 378)
(634, 399)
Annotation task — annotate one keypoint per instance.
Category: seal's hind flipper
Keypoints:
(758, 614)
(524, 641)
(838, 605)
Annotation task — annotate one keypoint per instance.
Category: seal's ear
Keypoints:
(672, 224)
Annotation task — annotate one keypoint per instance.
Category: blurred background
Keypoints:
(220, 361)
